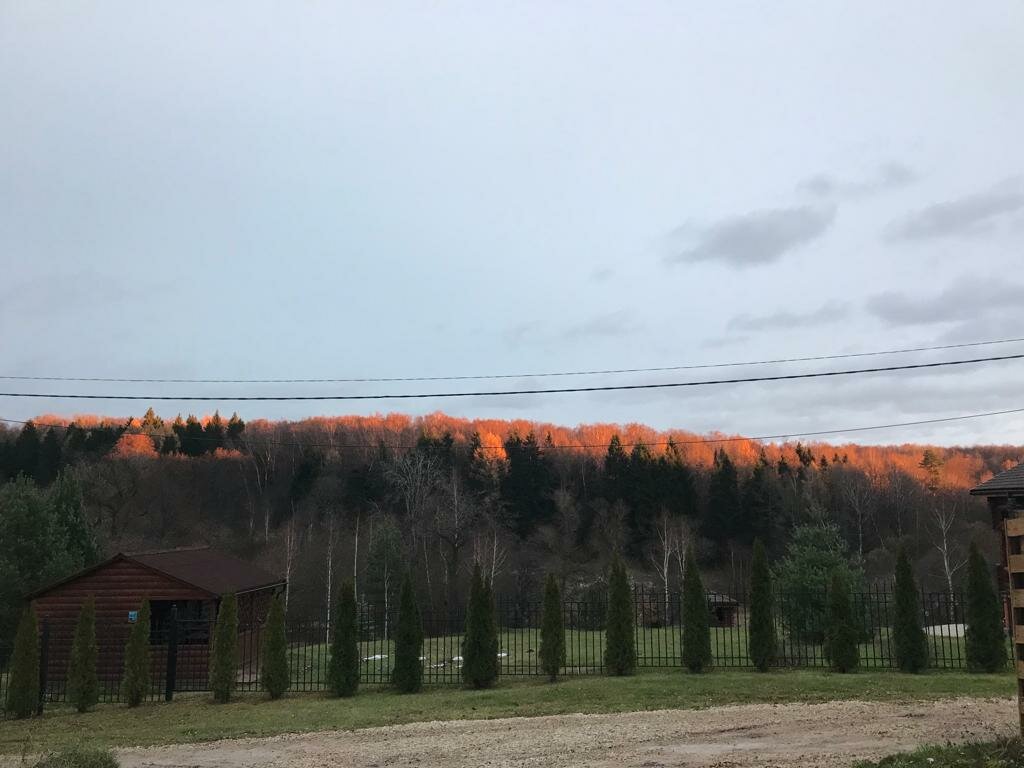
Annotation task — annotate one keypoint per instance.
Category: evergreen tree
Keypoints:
(619, 636)
(343, 667)
(762, 640)
(910, 642)
(26, 450)
(235, 429)
(213, 433)
(224, 653)
(724, 518)
(51, 458)
(407, 674)
(23, 682)
(83, 683)
(480, 646)
(192, 437)
(552, 631)
(985, 639)
(135, 684)
(274, 673)
(841, 631)
(696, 618)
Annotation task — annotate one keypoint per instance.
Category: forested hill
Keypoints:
(342, 495)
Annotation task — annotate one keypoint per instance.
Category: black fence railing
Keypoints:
(180, 650)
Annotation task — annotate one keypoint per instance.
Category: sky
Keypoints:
(307, 190)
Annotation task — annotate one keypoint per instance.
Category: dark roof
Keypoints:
(217, 573)
(1010, 481)
(208, 569)
(717, 598)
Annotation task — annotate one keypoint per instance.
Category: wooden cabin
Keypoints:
(188, 583)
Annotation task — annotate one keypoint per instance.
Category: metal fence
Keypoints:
(180, 651)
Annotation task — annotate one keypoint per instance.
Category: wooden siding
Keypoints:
(117, 587)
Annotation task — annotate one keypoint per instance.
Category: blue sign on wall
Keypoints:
(133, 616)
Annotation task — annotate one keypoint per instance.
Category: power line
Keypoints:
(504, 393)
(702, 441)
(547, 374)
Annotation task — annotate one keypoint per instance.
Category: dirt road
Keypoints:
(804, 735)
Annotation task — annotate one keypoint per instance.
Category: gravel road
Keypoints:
(784, 735)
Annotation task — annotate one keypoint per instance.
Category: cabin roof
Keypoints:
(1009, 482)
(209, 570)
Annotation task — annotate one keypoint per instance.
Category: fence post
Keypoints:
(170, 678)
(44, 665)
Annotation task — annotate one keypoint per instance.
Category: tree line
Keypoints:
(327, 501)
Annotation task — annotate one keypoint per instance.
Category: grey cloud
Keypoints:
(830, 312)
(602, 275)
(964, 300)
(966, 216)
(611, 324)
(888, 176)
(759, 237)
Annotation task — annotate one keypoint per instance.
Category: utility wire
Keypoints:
(702, 441)
(504, 393)
(547, 374)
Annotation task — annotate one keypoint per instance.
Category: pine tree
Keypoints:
(135, 685)
(23, 683)
(224, 653)
(910, 642)
(619, 635)
(274, 673)
(51, 458)
(343, 667)
(552, 631)
(407, 674)
(83, 683)
(696, 618)
(841, 631)
(725, 514)
(985, 639)
(27, 447)
(762, 641)
(480, 646)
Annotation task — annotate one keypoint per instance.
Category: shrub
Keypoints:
(407, 674)
(83, 684)
(813, 554)
(224, 653)
(619, 636)
(552, 631)
(274, 673)
(343, 667)
(841, 631)
(23, 683)
(985, 639)
(696, 619)
(480, 646)
(762, 640)
(911, 644)
(79, 757)
(135, 685)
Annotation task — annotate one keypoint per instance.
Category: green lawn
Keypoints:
(1005, 753)
(656, 647)
(192, 718)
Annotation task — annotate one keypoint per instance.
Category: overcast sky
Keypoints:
(249, 189)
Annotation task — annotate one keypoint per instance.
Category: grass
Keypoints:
(657, 646)
(1004, 753)
(193, 719)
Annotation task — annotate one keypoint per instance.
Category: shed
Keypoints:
(190, 581)
(724, 610)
